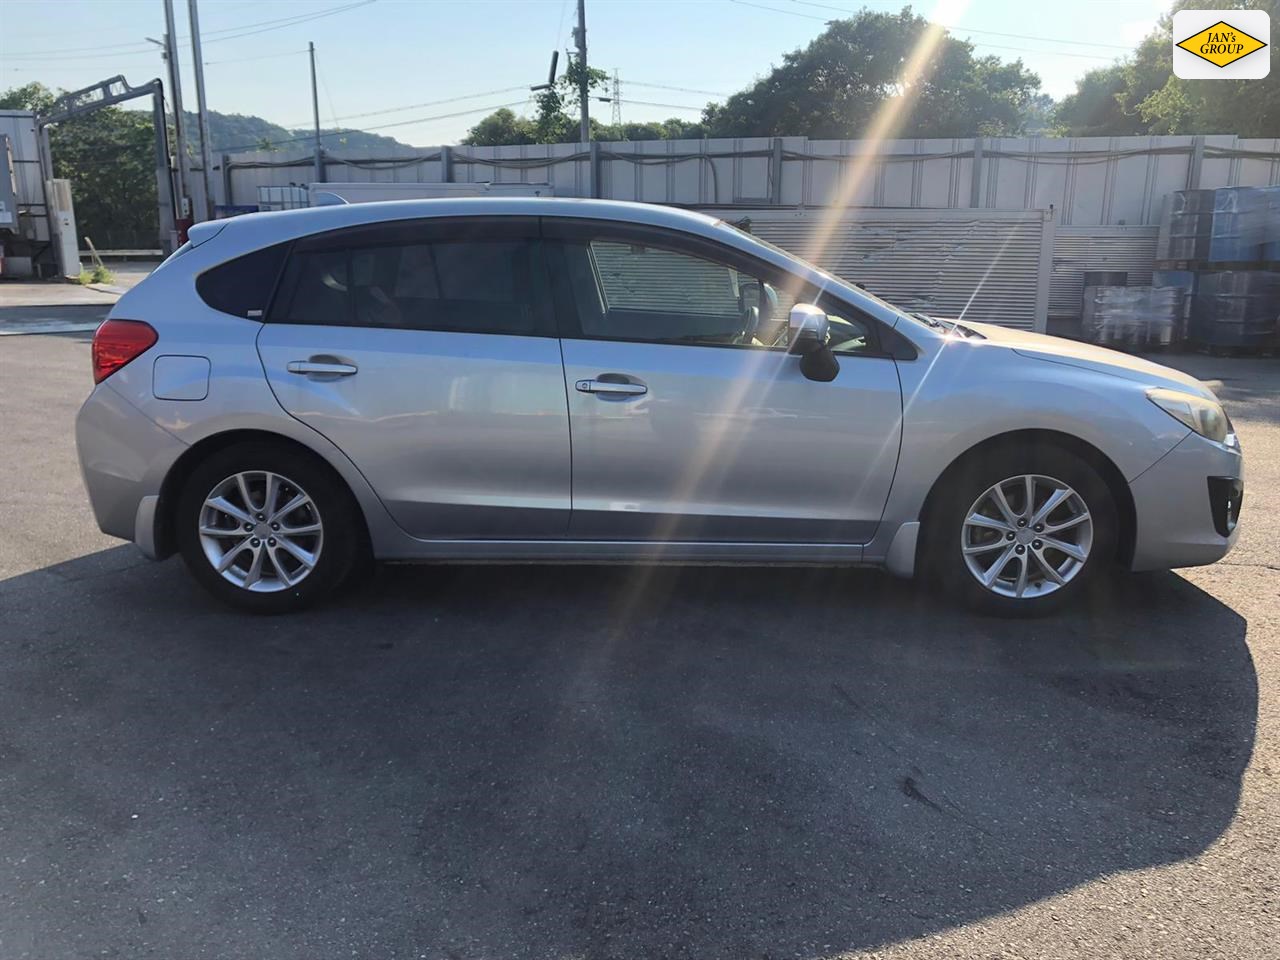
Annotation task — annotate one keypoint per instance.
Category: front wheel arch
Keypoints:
(1121, 496)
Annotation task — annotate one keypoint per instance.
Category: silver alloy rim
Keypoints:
(261, 531)
(1027, 536)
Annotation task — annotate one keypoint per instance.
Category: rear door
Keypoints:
(426, 351)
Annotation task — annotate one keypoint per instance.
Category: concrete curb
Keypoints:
(107, 288)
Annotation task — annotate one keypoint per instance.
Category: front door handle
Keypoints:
(614, 388)
(315, 367)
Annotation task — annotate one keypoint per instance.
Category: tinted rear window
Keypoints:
(242, 287)
(482, 286)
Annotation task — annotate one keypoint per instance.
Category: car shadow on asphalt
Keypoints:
(594, 761)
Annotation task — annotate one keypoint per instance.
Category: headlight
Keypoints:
(1205, 417)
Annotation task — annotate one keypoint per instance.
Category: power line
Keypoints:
(211, 36)
(262, 56)
(1041, 53)
(333, 111)
(296, 20)
(672, 106)
(380, 126)
(661, 86)
(428, 103)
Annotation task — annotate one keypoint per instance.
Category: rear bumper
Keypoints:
(123, 460)
(1184, 505)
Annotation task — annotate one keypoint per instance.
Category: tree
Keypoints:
(834, 87)
(1037, 115)
(30, 96)
(1094, 109)
(1140, 95)
(673, 128)
(499, 128)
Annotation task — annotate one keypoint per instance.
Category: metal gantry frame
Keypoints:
(107, 93)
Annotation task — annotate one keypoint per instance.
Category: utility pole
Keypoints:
(182, 215)
(202, 111)
(580, 38)
(617, 100)
(315, 113)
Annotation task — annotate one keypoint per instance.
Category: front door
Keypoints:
(426, 352)
(689, 420)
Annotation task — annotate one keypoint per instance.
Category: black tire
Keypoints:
(943, 558)
(342, 551)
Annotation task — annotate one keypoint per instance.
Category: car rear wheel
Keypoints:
(267, 529)
(1023, 531)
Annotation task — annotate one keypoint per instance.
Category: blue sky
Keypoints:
(414, 54)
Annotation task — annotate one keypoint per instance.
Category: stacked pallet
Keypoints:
(1219, 254)
(1129, 318)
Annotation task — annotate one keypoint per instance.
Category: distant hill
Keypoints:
(235, 133)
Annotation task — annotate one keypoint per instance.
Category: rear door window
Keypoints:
(421, 278)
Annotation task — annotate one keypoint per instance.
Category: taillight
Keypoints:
(116, 342)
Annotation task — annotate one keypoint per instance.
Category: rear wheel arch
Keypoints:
(176, 479)
(1118, 487)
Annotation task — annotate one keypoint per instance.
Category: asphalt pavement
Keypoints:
(592, 762)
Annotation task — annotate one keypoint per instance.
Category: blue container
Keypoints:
(1238, 217)
(1184, 282)
(1236, 308)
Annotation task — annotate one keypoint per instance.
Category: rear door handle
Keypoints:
(311, 367)
(611, 387)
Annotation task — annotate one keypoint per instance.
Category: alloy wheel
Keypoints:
(261, 531)
(1027, 536)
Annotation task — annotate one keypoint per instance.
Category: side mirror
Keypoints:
(808, 328)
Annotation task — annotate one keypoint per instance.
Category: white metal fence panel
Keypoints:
(1080, 249)
(1104, 181)
(987, 265)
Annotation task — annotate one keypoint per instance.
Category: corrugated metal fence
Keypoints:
(1091, 181)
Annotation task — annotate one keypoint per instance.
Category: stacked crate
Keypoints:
(1129, 318)
(1219, 254)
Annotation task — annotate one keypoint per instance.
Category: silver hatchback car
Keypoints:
(293, 395)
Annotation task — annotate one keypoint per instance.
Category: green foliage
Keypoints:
(832, 88)
(1140, 94)
(672, 128)
(1037, 116)
(557, 118)
(95, 274)
(499, 128)
(1094, 109)
(30, 96)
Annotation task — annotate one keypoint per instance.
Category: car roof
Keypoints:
(254, 230)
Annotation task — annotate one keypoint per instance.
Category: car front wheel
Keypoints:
(1022, 532)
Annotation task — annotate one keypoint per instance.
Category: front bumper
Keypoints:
(124, 457)
(1184, 505)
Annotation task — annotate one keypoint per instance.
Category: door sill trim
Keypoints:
(623, 551)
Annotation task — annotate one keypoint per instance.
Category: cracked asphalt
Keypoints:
(600, 763)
